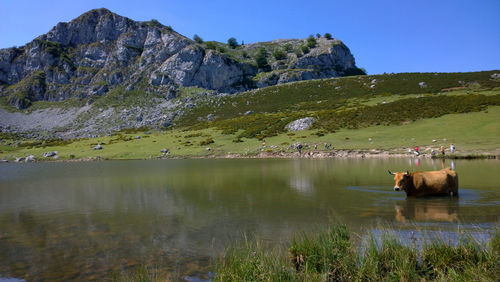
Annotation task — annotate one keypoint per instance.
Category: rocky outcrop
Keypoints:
(300, 124)
(100, 51)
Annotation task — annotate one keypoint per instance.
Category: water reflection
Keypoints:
(300, 180)
(438, 209)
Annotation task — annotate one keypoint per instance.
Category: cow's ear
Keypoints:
(407, 173)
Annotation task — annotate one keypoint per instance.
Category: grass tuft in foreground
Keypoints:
(331, 256)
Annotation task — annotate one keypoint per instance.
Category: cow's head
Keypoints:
(400, 180)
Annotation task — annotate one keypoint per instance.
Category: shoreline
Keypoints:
(333, 154)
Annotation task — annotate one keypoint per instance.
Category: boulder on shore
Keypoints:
(29, 159)
(49, 154)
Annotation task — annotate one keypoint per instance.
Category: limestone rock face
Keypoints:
(100, 51)
(300, 124)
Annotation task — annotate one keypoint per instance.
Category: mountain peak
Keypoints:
(100, 51)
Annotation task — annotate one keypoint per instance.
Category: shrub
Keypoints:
(279, 55)
(328, 36)
(197, 39)
(298, 52)
(211, 45)
(261, 58)
(311, 42)
(206, 141)
(318, 35)
(288, 47)
(305, 49)
(232, 42)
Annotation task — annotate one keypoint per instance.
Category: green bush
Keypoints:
(261, 58)
(304, 49)
(288, 47)
(211, 45)
(206, 141)
(279, 55)
(328, 36)
(197, 39)
(232, 42)
(311, 42)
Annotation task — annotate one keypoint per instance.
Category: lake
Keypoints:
(87, 220)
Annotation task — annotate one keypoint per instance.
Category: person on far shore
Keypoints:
(417, 153)
(442, 150)
(452, 148)
(299, 148)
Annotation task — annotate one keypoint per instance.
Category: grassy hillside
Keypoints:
(393, 115)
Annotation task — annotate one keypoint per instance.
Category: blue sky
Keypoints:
(384, 36)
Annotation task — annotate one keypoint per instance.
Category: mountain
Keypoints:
(100, 51)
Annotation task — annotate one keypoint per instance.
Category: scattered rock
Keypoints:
(495, 75)
(165, 151)
(208, 149)
(98, 147)
(249, 112)
(20, 159)
(56, 157)
(300, 124)
(374, 81)
(210, 117)
(29, 159)
(4, 161)
(138, 137)
(422, 84)
(49, 154)
(372, 86)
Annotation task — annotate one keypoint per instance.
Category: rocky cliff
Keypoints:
(102, 72)
(100, 50)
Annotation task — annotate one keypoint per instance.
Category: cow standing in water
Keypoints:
(427, 183)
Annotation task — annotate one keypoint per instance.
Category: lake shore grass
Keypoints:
(332, 255)
(474, 134)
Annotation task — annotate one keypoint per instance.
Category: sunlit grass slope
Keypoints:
(474, 132)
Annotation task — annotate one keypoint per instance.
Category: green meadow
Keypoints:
(472, 133)
(388, 112)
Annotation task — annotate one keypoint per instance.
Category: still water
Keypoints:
(61, 221)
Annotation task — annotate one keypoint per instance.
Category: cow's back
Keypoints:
(430, 183)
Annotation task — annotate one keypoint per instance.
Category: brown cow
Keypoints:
(427, 183)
